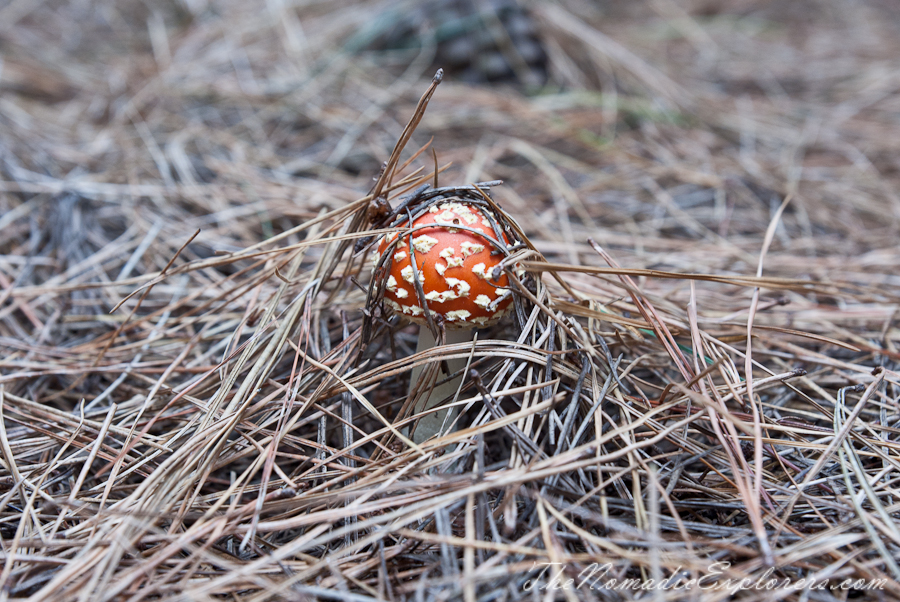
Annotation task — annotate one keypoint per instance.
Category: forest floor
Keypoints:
(202, 396)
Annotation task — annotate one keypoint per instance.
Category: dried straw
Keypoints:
(200, 399)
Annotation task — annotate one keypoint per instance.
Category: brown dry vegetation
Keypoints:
(191, 410)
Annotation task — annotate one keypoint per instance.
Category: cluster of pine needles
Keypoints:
(201, 397)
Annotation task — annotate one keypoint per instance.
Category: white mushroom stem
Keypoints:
(435, 422)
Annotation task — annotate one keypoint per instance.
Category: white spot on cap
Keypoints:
(502, 293)
(424, 243)
(440, 268)
(478, 270)
(470, 248)
(407, 274)
(483, 301)
(459, 314)
(446, 217)
(402, 293)
(462, 210)
(399, 255)
(391, 284)
(441, 296)
(467, 215)
(454, 262)
(462, 285)
(447, 252)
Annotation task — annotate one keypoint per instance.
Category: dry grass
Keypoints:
(197, 405)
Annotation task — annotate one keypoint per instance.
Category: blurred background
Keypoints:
(668, 130)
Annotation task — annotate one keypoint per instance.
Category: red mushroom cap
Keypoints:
(455, 267)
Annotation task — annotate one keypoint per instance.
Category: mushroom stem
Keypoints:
(433, 423)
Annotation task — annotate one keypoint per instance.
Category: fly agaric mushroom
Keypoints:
(452, 249)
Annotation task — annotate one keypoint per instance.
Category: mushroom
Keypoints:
(452, 249)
